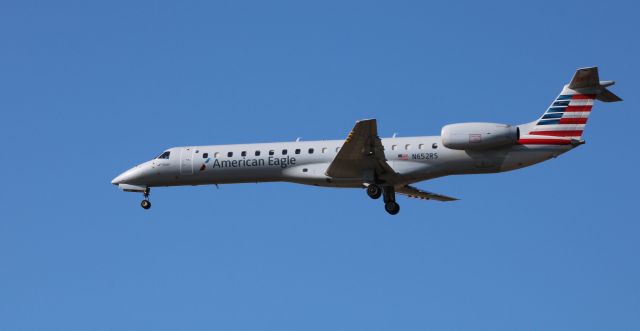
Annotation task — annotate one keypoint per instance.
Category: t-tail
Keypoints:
(564, 121)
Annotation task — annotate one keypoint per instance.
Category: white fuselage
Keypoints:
(384, 166)
(414, 159)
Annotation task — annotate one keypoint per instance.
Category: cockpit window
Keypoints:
(164, 155)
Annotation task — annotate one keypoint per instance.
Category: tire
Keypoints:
(374, 191)
(392, 207)
(146, 204)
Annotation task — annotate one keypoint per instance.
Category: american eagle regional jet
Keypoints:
(383, 167)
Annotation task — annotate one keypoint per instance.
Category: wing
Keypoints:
(413, 192)
(361, 152)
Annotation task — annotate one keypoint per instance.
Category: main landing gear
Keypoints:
(374, 191)
(392, 207)
(146, 204)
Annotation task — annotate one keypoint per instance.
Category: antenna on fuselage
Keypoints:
(298, 139)
(394, 135)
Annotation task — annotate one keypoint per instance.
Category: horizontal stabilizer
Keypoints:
(589, 79)
(607, 96)
(585, 78)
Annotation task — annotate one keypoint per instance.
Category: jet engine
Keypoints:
(473, 136)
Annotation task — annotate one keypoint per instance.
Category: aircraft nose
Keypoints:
(117, 180)
(122, 178)
(135, 176)
(130, 176)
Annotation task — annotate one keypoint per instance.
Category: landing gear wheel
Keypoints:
(392, 207)
(374, 191)
(146, 204)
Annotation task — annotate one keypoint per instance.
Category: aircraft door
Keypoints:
(186, 161)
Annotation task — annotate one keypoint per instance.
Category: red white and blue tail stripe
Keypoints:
(566, 117)
(564, 121)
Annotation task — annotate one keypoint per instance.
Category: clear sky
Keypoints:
(89, 89)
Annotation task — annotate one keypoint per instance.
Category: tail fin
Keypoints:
(567, 116)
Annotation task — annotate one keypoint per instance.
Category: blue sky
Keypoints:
(88, 89)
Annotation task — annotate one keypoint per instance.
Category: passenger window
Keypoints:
(393, 147)
(284, 152)
(434, 146)
(324, 150)
(297, 150)
(164, 155)
(257, 153)
(337, 149)
(271, 152)
(216, 155)
(229, 154)
(243, 154)
(310, 150)
(205, 155)
(421, 146)
(407, 146)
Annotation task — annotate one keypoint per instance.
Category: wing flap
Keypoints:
(416, 193)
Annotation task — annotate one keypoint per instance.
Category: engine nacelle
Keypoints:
(465, 136)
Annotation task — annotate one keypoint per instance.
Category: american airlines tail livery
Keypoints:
(383, 167)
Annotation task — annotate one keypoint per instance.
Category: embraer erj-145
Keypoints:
(383, 167)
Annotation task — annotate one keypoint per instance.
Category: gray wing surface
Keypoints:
(416, 193)
(361, 152)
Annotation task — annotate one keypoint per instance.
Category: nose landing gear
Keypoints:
(146, 204)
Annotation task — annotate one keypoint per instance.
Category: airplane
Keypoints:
(383, 167)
